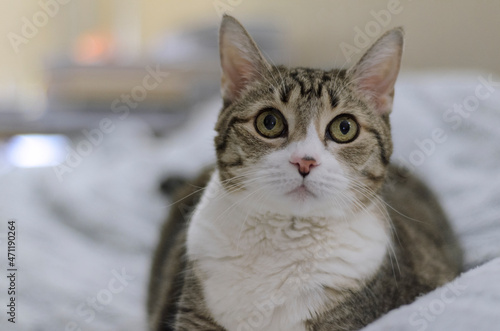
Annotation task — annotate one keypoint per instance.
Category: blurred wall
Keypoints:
(450, 34)
(446, 34)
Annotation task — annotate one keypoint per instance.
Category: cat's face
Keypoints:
(301, 139)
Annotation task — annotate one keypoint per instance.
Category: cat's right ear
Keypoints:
(241, 60)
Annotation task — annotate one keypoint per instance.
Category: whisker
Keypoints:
(242, 175)
(236, 203)
(375, 195)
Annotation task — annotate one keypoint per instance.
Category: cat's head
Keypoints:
(298, 138)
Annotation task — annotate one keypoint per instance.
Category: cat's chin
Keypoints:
(301, 194)
(302, 201)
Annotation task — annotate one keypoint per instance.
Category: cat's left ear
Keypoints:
(376, 73)
(241, 60)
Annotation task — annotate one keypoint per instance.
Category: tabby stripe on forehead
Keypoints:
(383, 155)
(285, 92)
(301, 83)
(334, 101)
(319, 89)
(235, 120)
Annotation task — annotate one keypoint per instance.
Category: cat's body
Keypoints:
(303, 225)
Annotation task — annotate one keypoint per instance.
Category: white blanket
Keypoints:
(84, 243)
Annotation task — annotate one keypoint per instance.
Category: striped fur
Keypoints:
(309, 96)
(269, 247)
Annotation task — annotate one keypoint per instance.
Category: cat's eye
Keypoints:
(343, 129)
(270, 123)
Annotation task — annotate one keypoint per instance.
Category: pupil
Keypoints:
(270, 122)
(345, 126)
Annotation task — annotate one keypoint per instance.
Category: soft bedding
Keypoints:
(84, 241)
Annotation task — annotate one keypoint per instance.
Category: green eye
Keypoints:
(343, 129)
(270, 123)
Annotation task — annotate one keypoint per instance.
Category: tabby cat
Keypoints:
(303, 224)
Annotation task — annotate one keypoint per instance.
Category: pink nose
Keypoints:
(304, 164)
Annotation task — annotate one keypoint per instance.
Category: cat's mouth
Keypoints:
(301, 192)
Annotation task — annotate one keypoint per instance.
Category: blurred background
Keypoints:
(65, 60)
(103, 103)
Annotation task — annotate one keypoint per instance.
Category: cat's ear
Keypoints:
(241, 60)
(376, 73)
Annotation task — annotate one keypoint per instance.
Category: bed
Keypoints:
(84, 241)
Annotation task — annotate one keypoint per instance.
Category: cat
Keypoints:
(303, 224)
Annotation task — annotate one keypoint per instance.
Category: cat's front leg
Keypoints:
(192, 313)
(191, 320)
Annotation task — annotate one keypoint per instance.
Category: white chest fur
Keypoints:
(268, 271)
